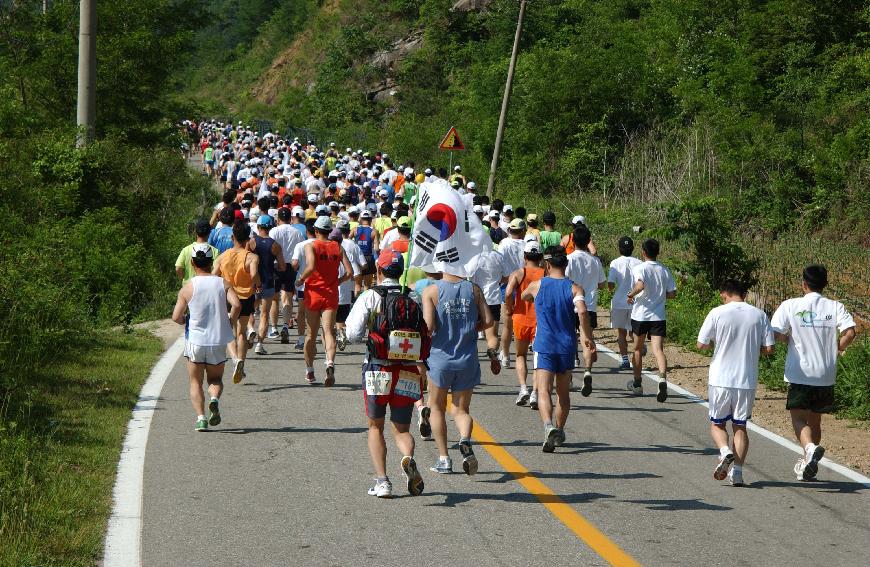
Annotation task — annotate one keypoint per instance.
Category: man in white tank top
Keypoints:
(202, 308)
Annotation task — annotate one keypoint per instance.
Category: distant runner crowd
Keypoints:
(322, 242)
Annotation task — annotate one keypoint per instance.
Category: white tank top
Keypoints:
(209, 323)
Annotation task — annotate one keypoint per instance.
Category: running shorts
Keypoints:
(557, 363)
(212, 355)
(405, 388)
(651, 328)
(593, 320)
(495, 311)
(524, 333)
(730, 403)
(321, 299)
(247, 306)
(369, 268)
(300, 296)
(620, 319)
(266, 293)
(342, 313)
(455, 380)
(286, 280)
(818, 399)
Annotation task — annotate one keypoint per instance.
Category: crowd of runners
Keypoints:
(316, 242)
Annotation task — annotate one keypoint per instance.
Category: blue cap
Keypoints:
(264, 220)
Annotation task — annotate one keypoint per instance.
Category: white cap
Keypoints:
(333, 204)
(493, 214)
(428, 171)
(408, 172)
(477, 209)
(312, 198)
(365, 214)
(457, 168)
(344, 216)
(579, 218)
(471, 185)
(297, 212)
(508, 208)
(353, 210)
(323, 223)
(532, 247)
(382, 193)
(203, 247)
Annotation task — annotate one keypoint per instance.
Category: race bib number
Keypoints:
(378, 383)
(404, 345)
(408, 385)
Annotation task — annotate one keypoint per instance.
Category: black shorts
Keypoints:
(247, 306)
(495, 310)
(651, 328)
(593, 320)
(819, 399)
(369, 268)
(342, 313)
(286, 280)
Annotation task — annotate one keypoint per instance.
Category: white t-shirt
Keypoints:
(287, 237)
(354, 255)
(620, 274)
(812, 322)
(738, 330)
(511, 250)
(388, 238)
(488, 273)
(299, 256)
(649, 305)
(585, 270)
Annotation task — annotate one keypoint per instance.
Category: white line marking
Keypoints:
(124, 537)
(778, 439)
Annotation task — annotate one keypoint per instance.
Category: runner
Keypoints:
(202, 308)
(556, 300)
(549, 236)
(298, 264)
(389, 379)
(321, 280)
(221, 237)
(741, 333)
(287, 236)
(511, 250)
(585, 270)
(522, 314)
(488, 275)
(183, 267)
(810, 325)
(653, 285)
(366, 238)
(619, 282)
(455, 311)
(270, 255)
(341, 234)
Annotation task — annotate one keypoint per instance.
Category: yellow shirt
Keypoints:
(381, 224)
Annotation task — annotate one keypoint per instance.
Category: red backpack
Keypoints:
(399, 332)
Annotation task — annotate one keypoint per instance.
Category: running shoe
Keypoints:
(341, 341)
(799, 469)
(309, 377)
(663, 392)
(504, 359)
(252, 336)
(721, 470)
(300, 343)
(495, 364)
(423, 424)
(238, 371)
(812, 461)
(469, 461)
(214, 412)
(201, 425)
(285, 335)
(412, 474)
(330, 376)
(443, 466)
(550, 440)
(587, 384)
(643, 351)
(522, 398)
(533, 400)
(626, 365)
(735, 477)
(560, 438)
(381, 489)
(259, 348)
(636, 389)
(273, 333)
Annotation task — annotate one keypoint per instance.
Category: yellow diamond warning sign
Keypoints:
(451, 141)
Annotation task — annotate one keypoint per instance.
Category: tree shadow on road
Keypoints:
(679, 505)
(289, 429)
(830, 486)
(451, 499)
(505, 477)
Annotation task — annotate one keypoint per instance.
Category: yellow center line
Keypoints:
(592, 536)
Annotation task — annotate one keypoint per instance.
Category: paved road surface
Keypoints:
(283, 482)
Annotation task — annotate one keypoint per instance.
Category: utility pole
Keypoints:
(504, 101)
(86, 110)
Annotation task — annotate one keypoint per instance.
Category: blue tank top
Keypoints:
(221, 238)
(554, 306)
(454, 342)
(364, 240)
(263, 249)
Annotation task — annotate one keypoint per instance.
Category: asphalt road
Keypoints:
(283, 480)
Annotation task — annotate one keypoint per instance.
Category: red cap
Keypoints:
(240, 215)
(390, 258)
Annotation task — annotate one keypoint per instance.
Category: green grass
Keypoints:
(58, 457)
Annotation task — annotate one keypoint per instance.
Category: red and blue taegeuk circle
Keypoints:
(443, 218)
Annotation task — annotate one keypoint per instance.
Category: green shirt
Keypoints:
(208, 155)
(410, 192)
(183, 261)
(550, 238)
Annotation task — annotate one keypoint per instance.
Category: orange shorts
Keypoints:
(321, 300)
(523, 332)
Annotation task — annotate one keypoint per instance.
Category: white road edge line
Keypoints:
(123, 547)
(778, 439)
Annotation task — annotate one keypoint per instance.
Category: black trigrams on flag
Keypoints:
(423, 200)
(467, 228)
(448, 256)
(426, 242)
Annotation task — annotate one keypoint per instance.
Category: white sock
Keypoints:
(737, 468)
(309, 369)
(524, 389)
(200, 417)
(724, 450)
(809, 449)
(214, 399)
(330, 363)
(443, 458)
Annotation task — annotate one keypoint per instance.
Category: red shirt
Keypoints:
(327, 257)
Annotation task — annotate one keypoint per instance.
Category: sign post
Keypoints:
(451, 142)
